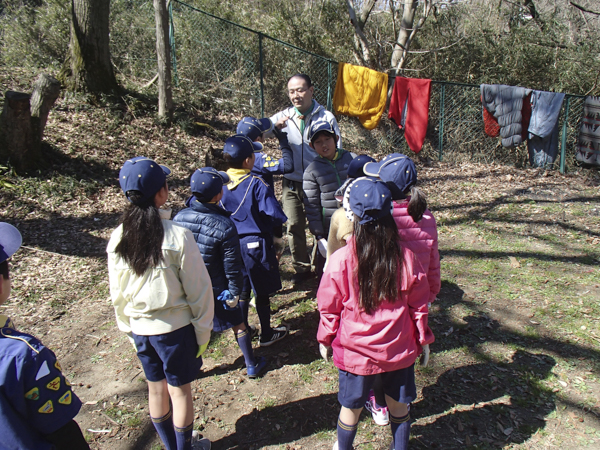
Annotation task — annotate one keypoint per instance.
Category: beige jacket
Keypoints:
(165, 298)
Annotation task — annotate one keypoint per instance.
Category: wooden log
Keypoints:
(23, 121)
(46, 90)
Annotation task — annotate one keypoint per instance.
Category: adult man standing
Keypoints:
(296, 121)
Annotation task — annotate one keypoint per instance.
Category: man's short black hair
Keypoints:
(233, 164)
(305, 77)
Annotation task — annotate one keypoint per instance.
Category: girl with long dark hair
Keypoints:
(162, 295)
(373, 305)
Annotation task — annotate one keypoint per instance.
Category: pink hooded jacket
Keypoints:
(389, 339)
(422, 238)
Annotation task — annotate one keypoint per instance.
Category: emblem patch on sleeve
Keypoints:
(65, 399)
(54, 384)
(44, 370)
(48, 408)
(33, 394)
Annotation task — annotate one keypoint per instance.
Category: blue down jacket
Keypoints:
(218, 241)
(322, 179)
(505, 103)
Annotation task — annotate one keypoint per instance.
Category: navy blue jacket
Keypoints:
(218, 241)
(35, 398)
(254, 208)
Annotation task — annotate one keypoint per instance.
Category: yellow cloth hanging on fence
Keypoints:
(360, 92)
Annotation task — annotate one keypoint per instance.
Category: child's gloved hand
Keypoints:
(325, 351)
(425, 356)
(233, 302)
(279, 247)
(229, 302)
(281, 123)
(201, 350)
(280, 135)
(322, 246)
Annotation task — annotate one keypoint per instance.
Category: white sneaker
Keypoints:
(335, 446)
(381, 416)
(199, 443)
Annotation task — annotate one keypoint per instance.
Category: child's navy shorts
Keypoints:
(399, 385)
(171, 356)
(225, 319)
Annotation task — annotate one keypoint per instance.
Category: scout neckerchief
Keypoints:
(303, 116)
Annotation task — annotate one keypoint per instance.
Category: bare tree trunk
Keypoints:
(406, 26)
(361, 44)
(408, 29)
(165, 95)
(45, 92)
(88, 67)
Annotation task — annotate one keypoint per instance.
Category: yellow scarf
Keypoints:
(236, 176)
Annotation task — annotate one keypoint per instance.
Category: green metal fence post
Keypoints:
(563, 144)
(262, 80)
(172, 43)
(441, 139)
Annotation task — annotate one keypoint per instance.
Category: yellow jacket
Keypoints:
(360, 92)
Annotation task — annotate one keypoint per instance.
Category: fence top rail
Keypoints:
(330, 60)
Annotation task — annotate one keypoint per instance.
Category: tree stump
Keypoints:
(23, 121)
(15, 129)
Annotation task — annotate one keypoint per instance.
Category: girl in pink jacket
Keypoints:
(418, 232)
(373, 304)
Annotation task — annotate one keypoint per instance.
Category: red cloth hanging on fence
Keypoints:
(409, 109)
(526, 116)
(490, 124)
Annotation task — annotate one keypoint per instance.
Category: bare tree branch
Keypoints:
(361, 42)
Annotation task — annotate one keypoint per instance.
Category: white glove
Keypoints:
(233, 302)
(322, 246)
(325, 351)
(425, 356)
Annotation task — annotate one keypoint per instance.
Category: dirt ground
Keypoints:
(516, 358)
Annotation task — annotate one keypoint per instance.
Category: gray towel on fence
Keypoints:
(543, 127)
(588, 146)
(505, 103)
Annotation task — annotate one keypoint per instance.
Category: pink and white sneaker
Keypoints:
(381, 416)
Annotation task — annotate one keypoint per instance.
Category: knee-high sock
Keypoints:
(245, 342)
(164, 427)
(263, 309)
(345, 435)
(400, 431)
(245, 304)
(379, 394)
(184, 437)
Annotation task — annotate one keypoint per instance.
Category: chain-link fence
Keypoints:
(133, 38)
(218, 62)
